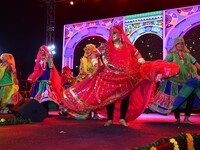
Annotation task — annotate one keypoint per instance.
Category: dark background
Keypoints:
(23, 23)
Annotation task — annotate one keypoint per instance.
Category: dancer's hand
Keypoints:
(50, 82)
(198, 77)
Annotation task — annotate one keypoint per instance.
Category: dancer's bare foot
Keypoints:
(108, 123)
(177, 122)
(63, 113)
(187, 122)
(123, 122)
(96, 117)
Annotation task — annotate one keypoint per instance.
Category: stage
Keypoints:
(56, 132)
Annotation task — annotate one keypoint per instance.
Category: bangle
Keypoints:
(141, 60)
(136, 53)
(94, 61)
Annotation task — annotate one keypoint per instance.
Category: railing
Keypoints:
(24, 88)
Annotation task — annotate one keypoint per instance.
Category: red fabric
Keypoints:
(141, 94)
(65, 75)
(120, 76)
(167, 69)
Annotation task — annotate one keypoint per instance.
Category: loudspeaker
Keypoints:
(29, 109)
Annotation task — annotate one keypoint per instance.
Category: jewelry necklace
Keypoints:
(117, 45)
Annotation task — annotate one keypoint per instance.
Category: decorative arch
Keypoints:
(146, 23)
(71, 45)
(158, 30)
(74, 33)
(182, 26)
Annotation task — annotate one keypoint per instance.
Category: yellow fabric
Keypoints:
(9, 58)
(16, 88)
(8, 91)
(2, 71)
(91, 46)
(85, 63)
(10, 62)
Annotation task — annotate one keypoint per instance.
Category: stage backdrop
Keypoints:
(153, 33)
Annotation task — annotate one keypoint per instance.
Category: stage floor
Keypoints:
(58, 133)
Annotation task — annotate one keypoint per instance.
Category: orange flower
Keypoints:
(190, 143)
(153, 148)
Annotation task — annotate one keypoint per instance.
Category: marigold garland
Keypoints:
(153, 148)
(190, 143)
(13, 121)
(2, 120)
(175, 143)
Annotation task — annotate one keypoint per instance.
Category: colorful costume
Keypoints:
(8, 82)
(164, 98)
(192, 85)
(67, 78)
(88, 67)
(120, 76)
(46, 80)
(88, 63)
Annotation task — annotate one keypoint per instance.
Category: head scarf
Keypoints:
(125, 40)
(11, 64)
(179, 40)
(66, 74)
(67, 70)
(46, 50)
(91, 46)
(9, 58)
(127, 47)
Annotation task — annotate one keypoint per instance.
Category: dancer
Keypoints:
(121, 75)
(189, 94)
(8, 82)
(89, 63)
(67, 78)
(46, 80)
(164, 98)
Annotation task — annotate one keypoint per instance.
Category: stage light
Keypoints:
(53, 52)
(52, 49)
(71, 2)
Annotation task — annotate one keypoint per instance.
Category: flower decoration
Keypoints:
(193, 142)
(13, 121)
(2, 120)
(190, 143)
(175, 143)
(153, 148)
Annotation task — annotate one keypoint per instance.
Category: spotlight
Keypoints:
(53, 52)
(52, 49)
(71, 2)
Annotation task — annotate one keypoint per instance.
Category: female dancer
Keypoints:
(169, 90)
(67, 78)
(121, 75)
(46, 80)
(89, 63)
(8, 82)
